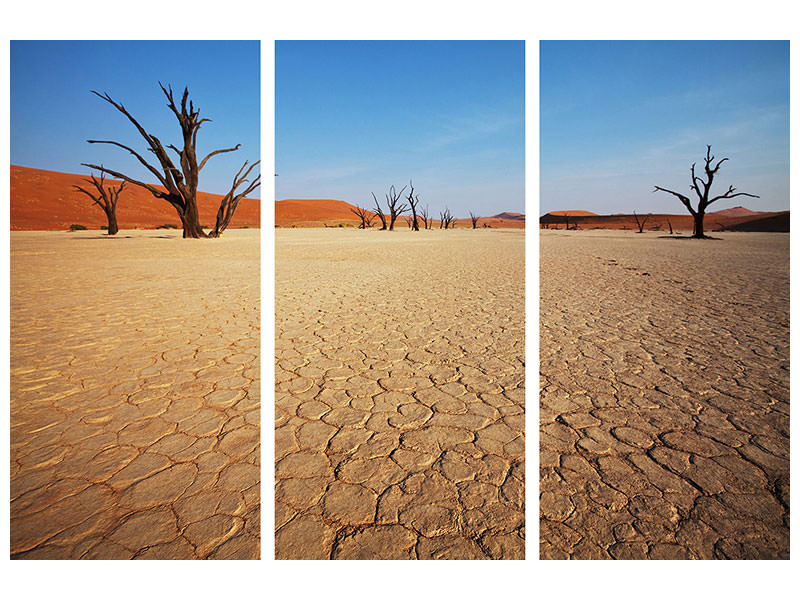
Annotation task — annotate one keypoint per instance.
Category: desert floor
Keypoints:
(664, 396)
(400, 394)
(134, 395)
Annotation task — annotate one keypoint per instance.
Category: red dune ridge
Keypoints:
(46, 200)
(335, 213)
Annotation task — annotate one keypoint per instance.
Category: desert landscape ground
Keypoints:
(134, 379)
(399, 394)
(664, 415)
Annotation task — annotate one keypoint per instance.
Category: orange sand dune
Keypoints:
(736, 211)
(46, 200)
(313, 213)
(335, 213)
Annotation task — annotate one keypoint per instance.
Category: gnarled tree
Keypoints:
(641, 222)
(379, 212)
(395, 209)
(423, 215)
(179, 183)
(446, 219)
(413, 201)
(474, 219)
(106, 198)
(229, 202)
(704, 199)
(365, 216)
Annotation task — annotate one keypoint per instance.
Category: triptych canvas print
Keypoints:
(394, 421)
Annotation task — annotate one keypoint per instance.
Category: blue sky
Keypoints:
(356, 117)
(53, 112)
(618, 118)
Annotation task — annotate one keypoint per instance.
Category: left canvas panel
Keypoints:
(135, 300)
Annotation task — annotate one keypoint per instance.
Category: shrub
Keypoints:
(167, 226)
(103, 227)
(77, 227)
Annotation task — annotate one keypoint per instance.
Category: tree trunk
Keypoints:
(191, 224)
(698, 225)
(113, 228)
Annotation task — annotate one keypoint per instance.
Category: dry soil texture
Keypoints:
(664, 396)
(400, 394)
(134, 395)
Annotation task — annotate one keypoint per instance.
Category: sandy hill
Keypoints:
(736, 211)
(509, 216)
(46, 200)
(741, 219)
(336, 213)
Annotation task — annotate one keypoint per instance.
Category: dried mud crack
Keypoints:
(664, 402)
(134, 396)
(399, 395)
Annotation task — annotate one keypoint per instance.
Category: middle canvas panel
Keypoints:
(400, 300)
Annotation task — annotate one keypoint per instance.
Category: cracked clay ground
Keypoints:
(664, 396)
(399, 394)
(134, 395)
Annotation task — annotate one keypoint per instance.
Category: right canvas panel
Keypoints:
(664, 300)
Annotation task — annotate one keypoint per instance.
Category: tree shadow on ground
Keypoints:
(686, 237)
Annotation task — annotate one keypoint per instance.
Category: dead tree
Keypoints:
(395, 209)
(670, 226)
(180, 183)
(379, 212)
(445, 219)
(105, 198)
(640, 223)
(423, 215)
(413, 201)
(365, 216)
(703, 194)
(229, 202)
(474, 220)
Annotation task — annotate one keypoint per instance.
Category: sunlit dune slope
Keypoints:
(335, 213)
(46, 200)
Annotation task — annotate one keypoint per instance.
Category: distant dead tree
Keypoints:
(180, 183)
(640, 222)
(703, 194)
(423, 216)
(474, 220)
(395, 209)
(670, 226)
(413, 201)
(106, 198)
(566, 221)
(379, 213)
(446, 219)
(365, 216)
